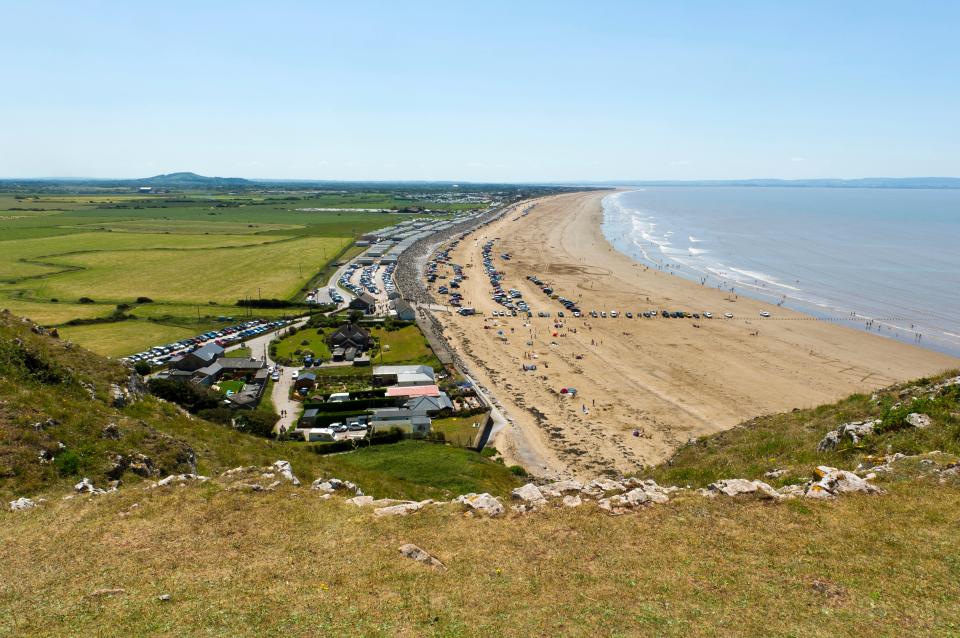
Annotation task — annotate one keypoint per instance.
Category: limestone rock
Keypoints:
(919, 420)
(483, 503)
(572, 500)
(360, 501)
(559, 488)
(529, 493)
(411, 551)
(739, 487)
(179, 479)
(22, 504)
(402, 509)
(838, 482)
(111, 431)
(600, 487)
(333, 484)
(854, 431)
(283, 469)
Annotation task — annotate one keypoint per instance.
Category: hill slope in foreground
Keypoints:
(217, 557)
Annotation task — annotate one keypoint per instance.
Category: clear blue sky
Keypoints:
(480, 90)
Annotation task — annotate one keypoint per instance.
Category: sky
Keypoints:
(480, 91)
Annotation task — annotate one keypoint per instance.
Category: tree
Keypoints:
(355, 316)
(142, 368)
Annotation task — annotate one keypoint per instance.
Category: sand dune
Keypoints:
(666, 379)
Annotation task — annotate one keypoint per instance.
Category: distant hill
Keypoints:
(187, 179)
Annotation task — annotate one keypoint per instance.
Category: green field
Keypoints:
(406, 345)
(315, 345)
(124, 337)
(459, 430)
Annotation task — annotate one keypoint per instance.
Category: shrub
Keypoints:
(142, 368)
(144, 300)
(85, 300)
(67, 463)
(256, 422)
(189, 396)
(516, 470)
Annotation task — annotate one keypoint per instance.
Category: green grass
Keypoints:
(242, 352)
(415, 469)
(315, 344)
(48, 313)
(227, 386)
(789, 441)
(124, 337)
(223, 275)
(459, 430)
(404, 346)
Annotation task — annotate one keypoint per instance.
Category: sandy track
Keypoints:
(664, 378)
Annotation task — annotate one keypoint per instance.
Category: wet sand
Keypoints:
(664, 378)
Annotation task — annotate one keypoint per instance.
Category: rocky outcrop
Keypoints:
(482, 503)
(411, 551)
(178, 479)
(741, 487)
(22, 504)
(332, 485)
(86, 486)
(645, 493)
(853, 431)
(401, 509)
(285, 471)
(919, 420)
(529, 494)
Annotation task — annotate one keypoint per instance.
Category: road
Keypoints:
(260, 349)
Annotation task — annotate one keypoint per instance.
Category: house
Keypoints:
(365, 303)
(362, 359)
(404, 310)
(308, 418)
(199, 358)
(402, 418)
(349, 335)
(305, 381)
(407, 391)
(429, 406)
(403, 375)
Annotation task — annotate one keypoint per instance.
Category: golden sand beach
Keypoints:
(666, 379)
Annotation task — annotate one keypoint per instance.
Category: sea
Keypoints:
(879, 259)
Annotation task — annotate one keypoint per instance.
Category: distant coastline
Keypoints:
(865, 182)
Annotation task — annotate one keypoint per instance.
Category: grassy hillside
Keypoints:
(44, 379)
(288, 563)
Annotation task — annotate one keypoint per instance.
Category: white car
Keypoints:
(728, 315)
(764, 313)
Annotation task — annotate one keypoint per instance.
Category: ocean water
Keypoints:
(884, 260)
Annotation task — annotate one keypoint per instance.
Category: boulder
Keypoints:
(483, 503)
(411, 551)
(178, 479)
(600, 487)
(774, 473)
(919, 420)
(333, 484)
(529, 493)
(854, 431)
(21, 504)
(360, 501)
(402, 509)
(572, 500)
(838, 482)
(111, 431)
(85, 486)
(559, 488)
(739, 487)
(283, 469)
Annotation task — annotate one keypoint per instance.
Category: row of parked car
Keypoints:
(569, 304)
(160, 355)
(511, 299)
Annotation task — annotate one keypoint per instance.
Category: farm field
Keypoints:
(49, 314)
(219, 274)
(52, 251)
(287, 347)
(459, 430)
(406, 345)
(124, 337)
